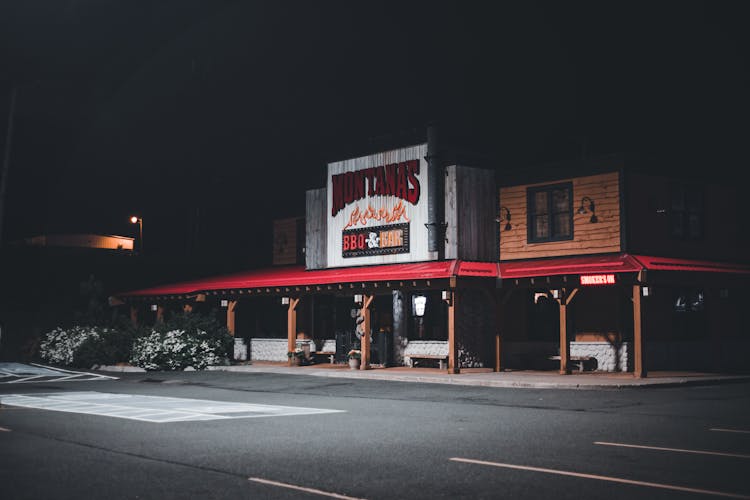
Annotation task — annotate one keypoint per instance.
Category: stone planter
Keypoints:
(354, 363)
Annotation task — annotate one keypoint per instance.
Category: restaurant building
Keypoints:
(421, 262)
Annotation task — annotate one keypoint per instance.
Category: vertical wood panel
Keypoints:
(476, 213)
(315, 229)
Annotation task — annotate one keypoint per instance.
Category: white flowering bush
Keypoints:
(185, 340)
(176, 350)
(60, 346)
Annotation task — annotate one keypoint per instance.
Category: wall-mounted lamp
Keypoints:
(504, 217)
(447, 296)
(154, 307)
(285, 301)
(418, 303)
(646, 291)
(358, 298)
(224, 303)
(583, 209)
(555, 294)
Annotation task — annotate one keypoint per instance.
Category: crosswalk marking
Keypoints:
(17, 373)
(151, 408)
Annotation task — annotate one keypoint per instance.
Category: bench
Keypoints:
(577, 361)
(442, 360)
(426, 349)
(328, 349)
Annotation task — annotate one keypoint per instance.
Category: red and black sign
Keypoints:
(383, 240)
(396, 179)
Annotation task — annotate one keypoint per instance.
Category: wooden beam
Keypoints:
(564, 344)
(291, 326)
(365, 340)
(133, 315)
(452, 344)
(230, 316)
(639, 370)
(160, 313)
(497, 353)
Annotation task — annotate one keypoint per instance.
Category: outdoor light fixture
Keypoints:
(224, 303)
(285, 301)
(555, 294)
(138, 220)
(447, 296)
(583, 209)
(154, 307)
(505, 217)
(646, 291)
(358, 298)
(418, 303)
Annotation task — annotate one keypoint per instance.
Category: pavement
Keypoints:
(12, 372)
(489, 378)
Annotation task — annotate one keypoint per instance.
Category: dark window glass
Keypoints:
(550, 213)
(686, 215)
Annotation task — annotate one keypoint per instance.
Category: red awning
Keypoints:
(670, 264)
(298, 276)
(589, 264)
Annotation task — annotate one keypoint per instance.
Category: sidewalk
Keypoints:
(488, 378)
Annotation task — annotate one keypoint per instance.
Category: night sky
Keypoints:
(210, 119)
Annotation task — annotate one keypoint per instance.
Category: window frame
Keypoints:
(531, 212)
(686, 192)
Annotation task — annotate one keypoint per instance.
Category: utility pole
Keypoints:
(6, 160)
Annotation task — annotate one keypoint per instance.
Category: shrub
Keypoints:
(186, 339)
(111, 346)
(60, 345)
(176, 350)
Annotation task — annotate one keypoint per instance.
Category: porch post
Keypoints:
(291, 326)
(639, 370)
(230, 316)
(497, 352)
(565, 299)
(365, 343)
(133, 315)
(564, 344)
(160, 313)
(452, 344)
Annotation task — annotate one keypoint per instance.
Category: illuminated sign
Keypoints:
(396, 179)
(598, 279)
(383, 240)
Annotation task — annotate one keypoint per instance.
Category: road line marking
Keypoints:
(3, 429)
(679, 450)
(302, 488)
(603, 478)
(740, 431)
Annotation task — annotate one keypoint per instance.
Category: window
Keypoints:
(550, 213)
(686, 215)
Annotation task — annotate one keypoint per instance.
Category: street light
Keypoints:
(137, 220)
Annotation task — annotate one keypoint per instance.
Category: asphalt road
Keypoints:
(385, 440)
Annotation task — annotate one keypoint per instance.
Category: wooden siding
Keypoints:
(288, 240)
(315, 228)
(588, 238)
(725, 226)
(470, 214)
